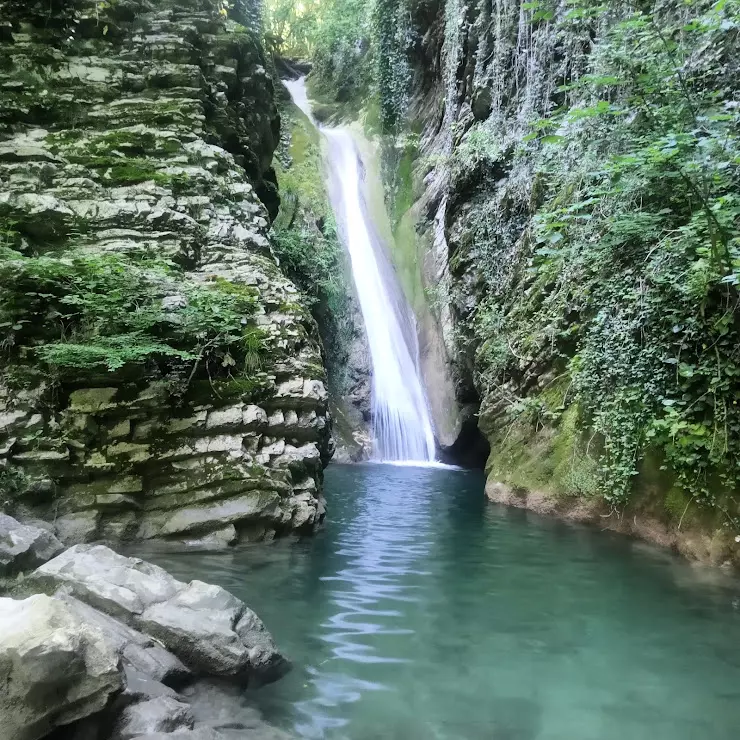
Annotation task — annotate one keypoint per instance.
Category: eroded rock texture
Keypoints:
(116, 649)
(135, 140)
(54, 669)
(23, 547)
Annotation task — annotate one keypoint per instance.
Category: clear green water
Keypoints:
(422, 612)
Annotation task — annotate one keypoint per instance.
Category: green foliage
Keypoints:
(305, 238)
(631, 260)
(342, 54)
(92, 313)
(392, 39)
(291, 28)
(12, 481)
(478, 147)
(127, 171)
(360, 51)
(8, 233)
(313, 260)
(304, 234)
(80, 293)
(110, 352)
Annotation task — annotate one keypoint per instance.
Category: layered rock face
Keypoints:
(160, 375)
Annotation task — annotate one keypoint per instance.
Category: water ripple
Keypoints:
(423, 613)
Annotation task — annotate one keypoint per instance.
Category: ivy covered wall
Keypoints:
(569, 169)
(584, 174)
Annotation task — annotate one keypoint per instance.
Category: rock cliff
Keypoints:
(160, 376)
(563, 148)
(564, 174)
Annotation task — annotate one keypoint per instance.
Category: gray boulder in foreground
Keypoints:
(24, 547)
(161, 714)
(205, 626)
(141, 654)
(54, 668)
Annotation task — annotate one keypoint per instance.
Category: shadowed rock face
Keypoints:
(24, 547)
(145, 131)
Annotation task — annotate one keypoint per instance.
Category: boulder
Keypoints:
(306, 510)
(161, 714)
(142, 655)
(119, 586)
(208, 628)
(213, 631)
(24, 547)
(54, 667)
(81, 526)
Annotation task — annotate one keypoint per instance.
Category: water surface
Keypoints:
(421, 612)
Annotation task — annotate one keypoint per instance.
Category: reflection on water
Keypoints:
(420, 612)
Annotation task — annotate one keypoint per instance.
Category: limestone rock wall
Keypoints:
(143, 131)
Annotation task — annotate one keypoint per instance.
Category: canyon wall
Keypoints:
(160, 376)
(573, 180)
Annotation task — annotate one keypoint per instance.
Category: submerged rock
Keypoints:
(160, 714)
(226, 710)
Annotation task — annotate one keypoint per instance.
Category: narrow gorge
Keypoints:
(561, 180)
(410, 326)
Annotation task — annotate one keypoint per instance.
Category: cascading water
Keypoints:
(401, 421)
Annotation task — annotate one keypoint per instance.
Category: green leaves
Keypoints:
(110, 353)
(103, 312)
(627, 259)
(599, 109)
(541, 10)
(553, 139)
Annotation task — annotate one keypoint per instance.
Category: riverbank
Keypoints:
(714, 547)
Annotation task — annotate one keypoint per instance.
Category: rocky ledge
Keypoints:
(114, 648)
(159, 374)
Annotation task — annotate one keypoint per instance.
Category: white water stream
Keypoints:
(400, 415)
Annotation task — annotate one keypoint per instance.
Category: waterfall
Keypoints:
(402, 425)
